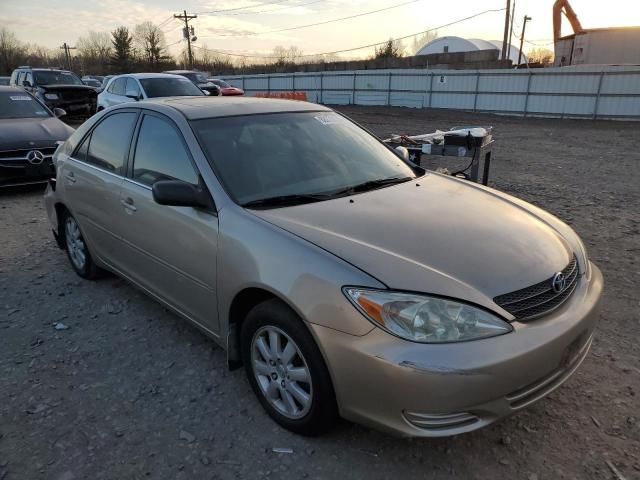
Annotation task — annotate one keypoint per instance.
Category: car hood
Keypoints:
(19, 133)
(68, 88)
(435, 235)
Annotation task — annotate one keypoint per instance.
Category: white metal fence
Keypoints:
(603, 92)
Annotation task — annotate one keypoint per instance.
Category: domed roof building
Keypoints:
(459, 44)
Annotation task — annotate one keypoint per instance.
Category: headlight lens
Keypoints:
(425, 319)
(51, 96)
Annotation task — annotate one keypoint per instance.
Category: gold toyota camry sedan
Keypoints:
(345, 279)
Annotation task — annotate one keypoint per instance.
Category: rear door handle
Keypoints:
(128, 204)
(69, 176)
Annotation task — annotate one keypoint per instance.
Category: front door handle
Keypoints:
(128, 204)
(70, 177)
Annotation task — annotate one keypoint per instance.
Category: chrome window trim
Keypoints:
(96, 168)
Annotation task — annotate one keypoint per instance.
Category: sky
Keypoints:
(52, 22)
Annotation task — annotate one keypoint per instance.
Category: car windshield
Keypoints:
(56, 78)
(287, 156)
(169, 87)
(21, 105)
(195, 77)
(221, 83)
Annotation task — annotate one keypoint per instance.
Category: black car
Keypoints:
(199, 79)
(29, 134)
(57, 89)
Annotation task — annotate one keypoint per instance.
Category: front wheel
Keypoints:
(286, 370)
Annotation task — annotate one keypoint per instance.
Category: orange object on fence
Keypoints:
(286, 95)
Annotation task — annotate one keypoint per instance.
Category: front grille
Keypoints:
(82, 95)
(21, 154)
(541, 298)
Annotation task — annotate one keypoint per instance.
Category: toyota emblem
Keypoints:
(558, 282)
(35, 157)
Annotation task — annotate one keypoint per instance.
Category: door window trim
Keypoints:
(86, 136)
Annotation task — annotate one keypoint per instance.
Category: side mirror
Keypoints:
(26, 83)
(206, 92)
(403, 153)
(180, 194)
(59, 112)
(133, 95)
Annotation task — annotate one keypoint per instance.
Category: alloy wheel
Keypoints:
(75, 243)
(282, 372)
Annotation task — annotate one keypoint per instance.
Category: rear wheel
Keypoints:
(286, 370)
(77, 249)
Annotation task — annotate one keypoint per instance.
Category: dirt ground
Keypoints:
(130, 391)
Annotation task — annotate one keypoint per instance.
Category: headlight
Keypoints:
(425, 319)
(51, 96)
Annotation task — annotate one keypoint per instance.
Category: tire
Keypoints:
(282, 385)
(77, 249)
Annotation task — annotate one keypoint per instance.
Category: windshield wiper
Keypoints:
(285, 200)
(372, 185)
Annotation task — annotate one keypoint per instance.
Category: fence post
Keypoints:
(389, 90)
(321, 87)
(293, 81)
(268, 84)
(353, 94)
(243, 83)
(430, 89)
(526, 98)
(475, 96)
(597, 102)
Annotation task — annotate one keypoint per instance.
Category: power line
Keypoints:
(165, 21)
(248, 34)
(211, 12)
(232, 54)
(286, 7)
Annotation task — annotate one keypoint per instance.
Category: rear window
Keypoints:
(169, 87)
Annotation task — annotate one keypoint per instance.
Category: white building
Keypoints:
(459, 44)
(595, 46)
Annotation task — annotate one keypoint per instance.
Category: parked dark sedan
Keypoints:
(29, 134)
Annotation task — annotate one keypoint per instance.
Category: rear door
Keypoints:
(171, 251)
(92, 178)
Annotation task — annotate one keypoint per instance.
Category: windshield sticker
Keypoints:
(328, 118)
(18, 98)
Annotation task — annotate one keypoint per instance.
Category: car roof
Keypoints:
(195, 108)
(141, 76)
(182, 71)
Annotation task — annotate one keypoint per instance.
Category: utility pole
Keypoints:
(507, 16)
(67, 54)
(186, 32)
(524, 26)
(513, 11)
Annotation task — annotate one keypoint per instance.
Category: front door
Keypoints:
(171, 251)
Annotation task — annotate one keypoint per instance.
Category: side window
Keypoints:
(29, 78)
(20, 79)
(81, 151)
(110, 142)
(132, 87)
(117, 88)
(161, 154)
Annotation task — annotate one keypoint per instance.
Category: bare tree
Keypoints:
(540, 55)
(12, 51)
(421, 40)
(94, 52)
(150, 42)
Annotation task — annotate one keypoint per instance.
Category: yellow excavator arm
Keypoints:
(560, 7)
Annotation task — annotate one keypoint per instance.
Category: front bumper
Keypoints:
(421, 390)
(13, 173)
(84, 107)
